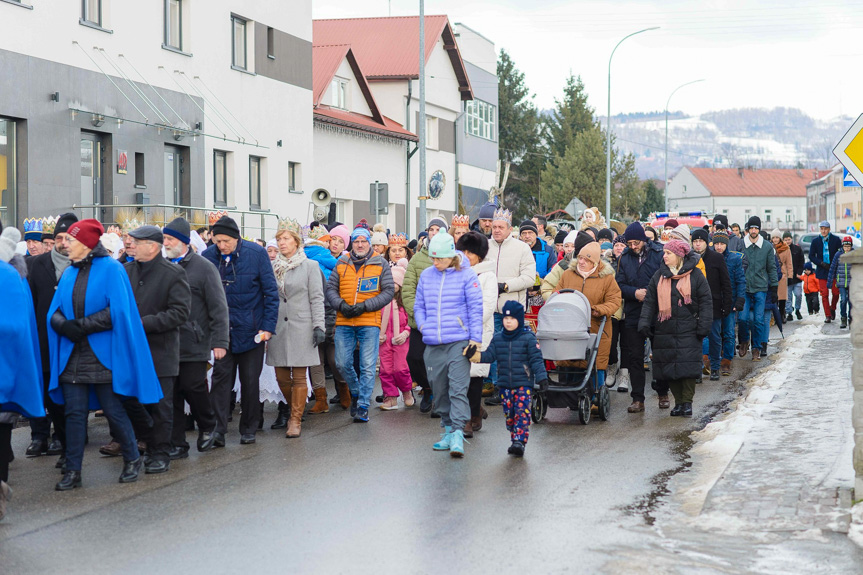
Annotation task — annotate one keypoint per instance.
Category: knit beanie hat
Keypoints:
(787, 234)
(341, 231)
(364, 224)
(635, 231)
(399, 270)
(8, 242)
(592, 252)
(606, 245)
(605, 234)
(681, 232)
(700, 234)
(442, 246)
(361, 233)
(561, 236)
(272, 244)
(720, 238)
(677, 247)
(64, 222)
(776, 233)
(379, 236)
(486, 212)
(439, 222)
(671, 223)
(87, 232)
(720, 219)
(528, 225)
(514, 309)
(809, 266)
(226, 226)
(754, 222)
(179, 228)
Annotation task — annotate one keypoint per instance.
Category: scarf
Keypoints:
(391, 310)
(282, 265)
(781, 247)
(663, 292)
(825, 248)
(586, 274)
(60, 262)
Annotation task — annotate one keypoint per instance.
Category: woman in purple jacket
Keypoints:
(448, 313)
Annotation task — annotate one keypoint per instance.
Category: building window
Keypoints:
(140, 172)
(254, 182)
(339, 90)
(174, 24)
(271, 43)
(238, 44)
(431, 133)
(220, 178)
(91, 11)
(767, 215)
(481, 119)
(293, 173)
(788, 216)
(8, 180)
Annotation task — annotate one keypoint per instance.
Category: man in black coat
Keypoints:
(44, 274)
(720, 290)
(205, 330)
(164, 301)
(795, 285)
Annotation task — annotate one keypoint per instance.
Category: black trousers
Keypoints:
(474, 396)
(249, 365)
(159, 441)
(5, 450)
(813, 304)
(191, 387)
(40, 427)
(416, 363)
(632, 344)
(615, 338)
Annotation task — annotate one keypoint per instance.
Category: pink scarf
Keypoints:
(663, 293)
(392, 309)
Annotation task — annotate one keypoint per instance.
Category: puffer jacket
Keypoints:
(633, 275)
(719, 281)
(488, 283)
(321, 255)
(810, 283)
(734, 263)
(840, 272)
(519, 360)
(448, 305)
(418, 264)
(544, 256)
(513, 265)
(251, 291)
(677, 341)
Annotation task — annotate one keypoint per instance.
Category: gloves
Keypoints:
(774, 293)
(739, 304)
(350, 311)
(57, 321)
(824, 266)
(543, 385)
(318, 336)
(471, 352)
(73, 331)
(360, 308)
(502, 288)
(345, 309)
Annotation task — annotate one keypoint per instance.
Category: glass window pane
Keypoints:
(7, 173)
(254, 182)
(220, 178)
(93, 11)
(239, 43)
(174, 23)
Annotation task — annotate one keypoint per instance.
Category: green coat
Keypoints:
(418, 264)
(761, 266)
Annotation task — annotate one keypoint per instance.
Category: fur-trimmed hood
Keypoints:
(603, 270)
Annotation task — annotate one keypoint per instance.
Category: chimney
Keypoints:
(740, 171)
(816, 175)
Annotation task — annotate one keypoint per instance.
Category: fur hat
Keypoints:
(399, 270)
(677, 247)
(475, 243)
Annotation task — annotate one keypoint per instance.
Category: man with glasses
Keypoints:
(253, 306)
(636, 267)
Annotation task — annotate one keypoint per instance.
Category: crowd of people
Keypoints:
(166, 330)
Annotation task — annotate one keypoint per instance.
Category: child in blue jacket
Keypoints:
(519, 362)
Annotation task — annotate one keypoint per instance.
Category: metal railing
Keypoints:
(161, 214)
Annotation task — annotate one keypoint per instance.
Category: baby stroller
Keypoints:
(563, 333)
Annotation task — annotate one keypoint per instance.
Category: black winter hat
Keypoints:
(226, 226)
(787, 234)
(514, 309)
(561, 235)
(605, 234)
(720, 219)
(179, 228)
(475, 243)
(754, 222)
(64, 222)
(581, 240)
(528, 225)
(699, 234)
(635, 231)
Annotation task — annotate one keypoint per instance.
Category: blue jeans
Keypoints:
(77, 409)
(347, 337)
(795, 294)
(498, 328)
(844, 303)
(753, 319)
(720, 341)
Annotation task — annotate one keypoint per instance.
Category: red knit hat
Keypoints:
(87, 232)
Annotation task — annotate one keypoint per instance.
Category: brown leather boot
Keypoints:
(725, 367)
(321, 405)
(344, 395)
(476, 422)
(468, 430)
(298, 405)
(705, 359)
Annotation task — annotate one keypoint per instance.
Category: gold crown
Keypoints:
(48, 225)
(502, 215)
(460, 221)
(398, 240)
(291, 225)
(214, 217)
(318, 232)
(130, 219)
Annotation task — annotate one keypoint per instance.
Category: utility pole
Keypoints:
(422, 184)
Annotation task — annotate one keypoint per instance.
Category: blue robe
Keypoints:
(20, 360)
(122, 349)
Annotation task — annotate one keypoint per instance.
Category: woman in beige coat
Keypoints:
(785, 264)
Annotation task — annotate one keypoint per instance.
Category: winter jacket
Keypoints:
(368, 281)
(207, 326)
(720, 283)
(810, 283)
(816, 254)
(797, 263)
(488, 283)
(761, 265)
(552, 278)
(734, 264)
(43, 282)
(634, 273)
(677, 341)
(448, 305)
(322, 256)
(250, 288)
(604, 296)
(543, 256)
(514, 266)
(164, 302)
(418, 264)
(301, 310)
(519, 361)
(786, 266)
(839, 272)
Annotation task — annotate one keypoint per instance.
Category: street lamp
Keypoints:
(608, 128)
(665, 184)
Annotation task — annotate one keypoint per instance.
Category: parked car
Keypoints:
(806, 240)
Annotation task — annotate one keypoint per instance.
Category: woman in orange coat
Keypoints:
(593, 277)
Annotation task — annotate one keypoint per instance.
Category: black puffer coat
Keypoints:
(677, 340)
(719, 282)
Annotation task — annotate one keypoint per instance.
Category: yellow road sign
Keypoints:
(849, 150)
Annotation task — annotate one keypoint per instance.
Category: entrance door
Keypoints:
(92, 160)
(173, 175)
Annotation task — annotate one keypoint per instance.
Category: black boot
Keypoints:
(71, 480)
(675, 412)
(495, 398)
(335, 399)
(426, 403)
(131, 471)
(714, 375)
(281, 421)
(798, 314)
(687, 410)
(36, 448)
(844, 323)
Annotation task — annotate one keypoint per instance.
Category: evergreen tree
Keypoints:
(579, 173)
(571, 116)
(654, 199)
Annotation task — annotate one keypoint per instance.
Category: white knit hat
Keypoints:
(8, 242)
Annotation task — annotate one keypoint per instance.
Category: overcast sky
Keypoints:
(753, 53)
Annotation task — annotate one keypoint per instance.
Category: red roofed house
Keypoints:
(386, 52)
(777, 196)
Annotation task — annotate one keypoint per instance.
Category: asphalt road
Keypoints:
(347, 498)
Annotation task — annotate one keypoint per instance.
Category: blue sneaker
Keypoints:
(456, 443)
(353, 406)
(362, 415)
(443, 444)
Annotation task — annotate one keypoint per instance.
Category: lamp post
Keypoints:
(608, 127)
(423, 184)
(665, 184)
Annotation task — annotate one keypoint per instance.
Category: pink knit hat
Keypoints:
(343, 232)
(677, 247)
(399, 270)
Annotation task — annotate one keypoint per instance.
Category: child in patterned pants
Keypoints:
(519, 364)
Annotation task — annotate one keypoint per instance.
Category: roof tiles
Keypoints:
(760, 182)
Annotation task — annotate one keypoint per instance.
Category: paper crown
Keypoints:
(318, 232)
(291, 225)
(460, 221)
(33, 225)
(398, 240)
(306, 232)
(502, 215)
(48, 225)
(214, 217)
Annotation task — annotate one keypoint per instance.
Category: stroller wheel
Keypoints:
(537, 407)
(604, 404)
(584, 409)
